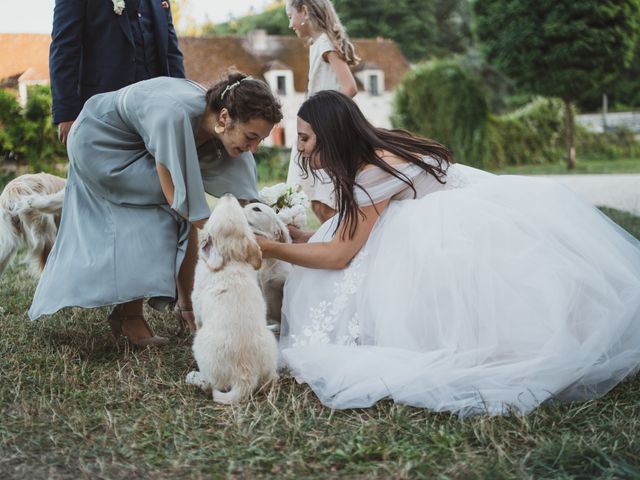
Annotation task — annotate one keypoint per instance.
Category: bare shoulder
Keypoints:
(387, 157)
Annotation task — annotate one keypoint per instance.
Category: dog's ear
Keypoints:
(210, 255)
(253, 255)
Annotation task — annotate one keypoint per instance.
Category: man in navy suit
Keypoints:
(99, 46)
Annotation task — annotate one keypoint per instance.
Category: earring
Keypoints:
(219, 128)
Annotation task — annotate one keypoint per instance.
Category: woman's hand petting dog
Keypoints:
(298, 235)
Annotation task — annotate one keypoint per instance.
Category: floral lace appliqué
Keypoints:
(323, 317)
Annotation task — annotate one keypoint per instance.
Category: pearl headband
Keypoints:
(228, 88)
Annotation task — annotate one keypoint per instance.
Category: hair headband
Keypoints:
(230, 87)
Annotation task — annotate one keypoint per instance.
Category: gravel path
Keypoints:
(616, 191)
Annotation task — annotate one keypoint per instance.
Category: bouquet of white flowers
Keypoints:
(290, 203)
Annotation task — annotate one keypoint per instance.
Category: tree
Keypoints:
(623, 91)
(445, 101)
(559, 48)
(421, 28)
(274, 20)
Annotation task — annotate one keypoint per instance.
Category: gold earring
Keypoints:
(219, 128)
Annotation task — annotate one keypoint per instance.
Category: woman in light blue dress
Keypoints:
(140, 162)
(446, 287)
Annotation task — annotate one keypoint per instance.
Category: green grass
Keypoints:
(74, 403)
(628, 165)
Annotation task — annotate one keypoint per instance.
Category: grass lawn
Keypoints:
(627, 165)
(74, 403)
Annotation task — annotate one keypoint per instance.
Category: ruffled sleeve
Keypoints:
(165, 126)
(378, 185)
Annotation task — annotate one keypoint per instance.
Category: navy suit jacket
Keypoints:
(92, 51)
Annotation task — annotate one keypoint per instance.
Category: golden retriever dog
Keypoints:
(30, 209)
(235, 351)
(273, 273)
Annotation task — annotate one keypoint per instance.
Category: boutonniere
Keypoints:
(118, 6)
(165, 4)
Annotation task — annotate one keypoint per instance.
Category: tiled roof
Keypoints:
(24, 51)
(207, 58)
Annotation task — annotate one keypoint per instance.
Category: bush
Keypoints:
(617, 144)
(28, 134)
(533, 134)
(10, 124)
(444, 101)
(272, 163)
(44, 150)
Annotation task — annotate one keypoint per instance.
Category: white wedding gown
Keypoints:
(488, 294)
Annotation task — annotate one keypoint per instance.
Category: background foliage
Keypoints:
(421, 28)
(27, 135)
(442, 100)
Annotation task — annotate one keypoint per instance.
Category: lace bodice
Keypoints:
(378, 185)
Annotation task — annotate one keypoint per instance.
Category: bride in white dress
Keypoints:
(442, 286)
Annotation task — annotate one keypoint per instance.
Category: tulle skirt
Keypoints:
(491, 298)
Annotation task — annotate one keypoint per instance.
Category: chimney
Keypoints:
(258, 40)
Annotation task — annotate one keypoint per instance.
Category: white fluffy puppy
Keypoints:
(235, 351)
(30, 209)
(273, 273)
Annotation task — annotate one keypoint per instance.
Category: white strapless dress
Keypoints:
(489, 294)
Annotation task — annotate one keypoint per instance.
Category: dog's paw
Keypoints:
(195, 378)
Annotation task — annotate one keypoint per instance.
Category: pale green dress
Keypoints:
(119, 240)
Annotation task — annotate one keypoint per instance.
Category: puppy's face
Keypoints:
(264, 221)
(228, 237)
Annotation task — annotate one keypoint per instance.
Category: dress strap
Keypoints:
(373, 185)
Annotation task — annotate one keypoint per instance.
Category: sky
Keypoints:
(35, 16)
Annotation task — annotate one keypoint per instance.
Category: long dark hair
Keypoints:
(346, 141)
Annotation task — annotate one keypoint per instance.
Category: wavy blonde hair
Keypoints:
(324, 17)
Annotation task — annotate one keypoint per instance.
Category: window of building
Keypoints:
(282, 84)
(373, 87)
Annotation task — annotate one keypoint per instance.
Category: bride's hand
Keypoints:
(263, 243)
(298, 235)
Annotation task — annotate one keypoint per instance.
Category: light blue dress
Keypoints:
(119, 240)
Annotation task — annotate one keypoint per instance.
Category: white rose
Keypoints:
(118, 6)
(299, 214)
(268, 196)
(285, 215)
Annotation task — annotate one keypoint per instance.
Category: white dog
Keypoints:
(273, 273)
(30, 209)
(233, 347)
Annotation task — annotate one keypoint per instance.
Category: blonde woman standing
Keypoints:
(330, 56)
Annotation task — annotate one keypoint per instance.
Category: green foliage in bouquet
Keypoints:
(444, 101)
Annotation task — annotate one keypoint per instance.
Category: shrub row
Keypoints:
(446, 101)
